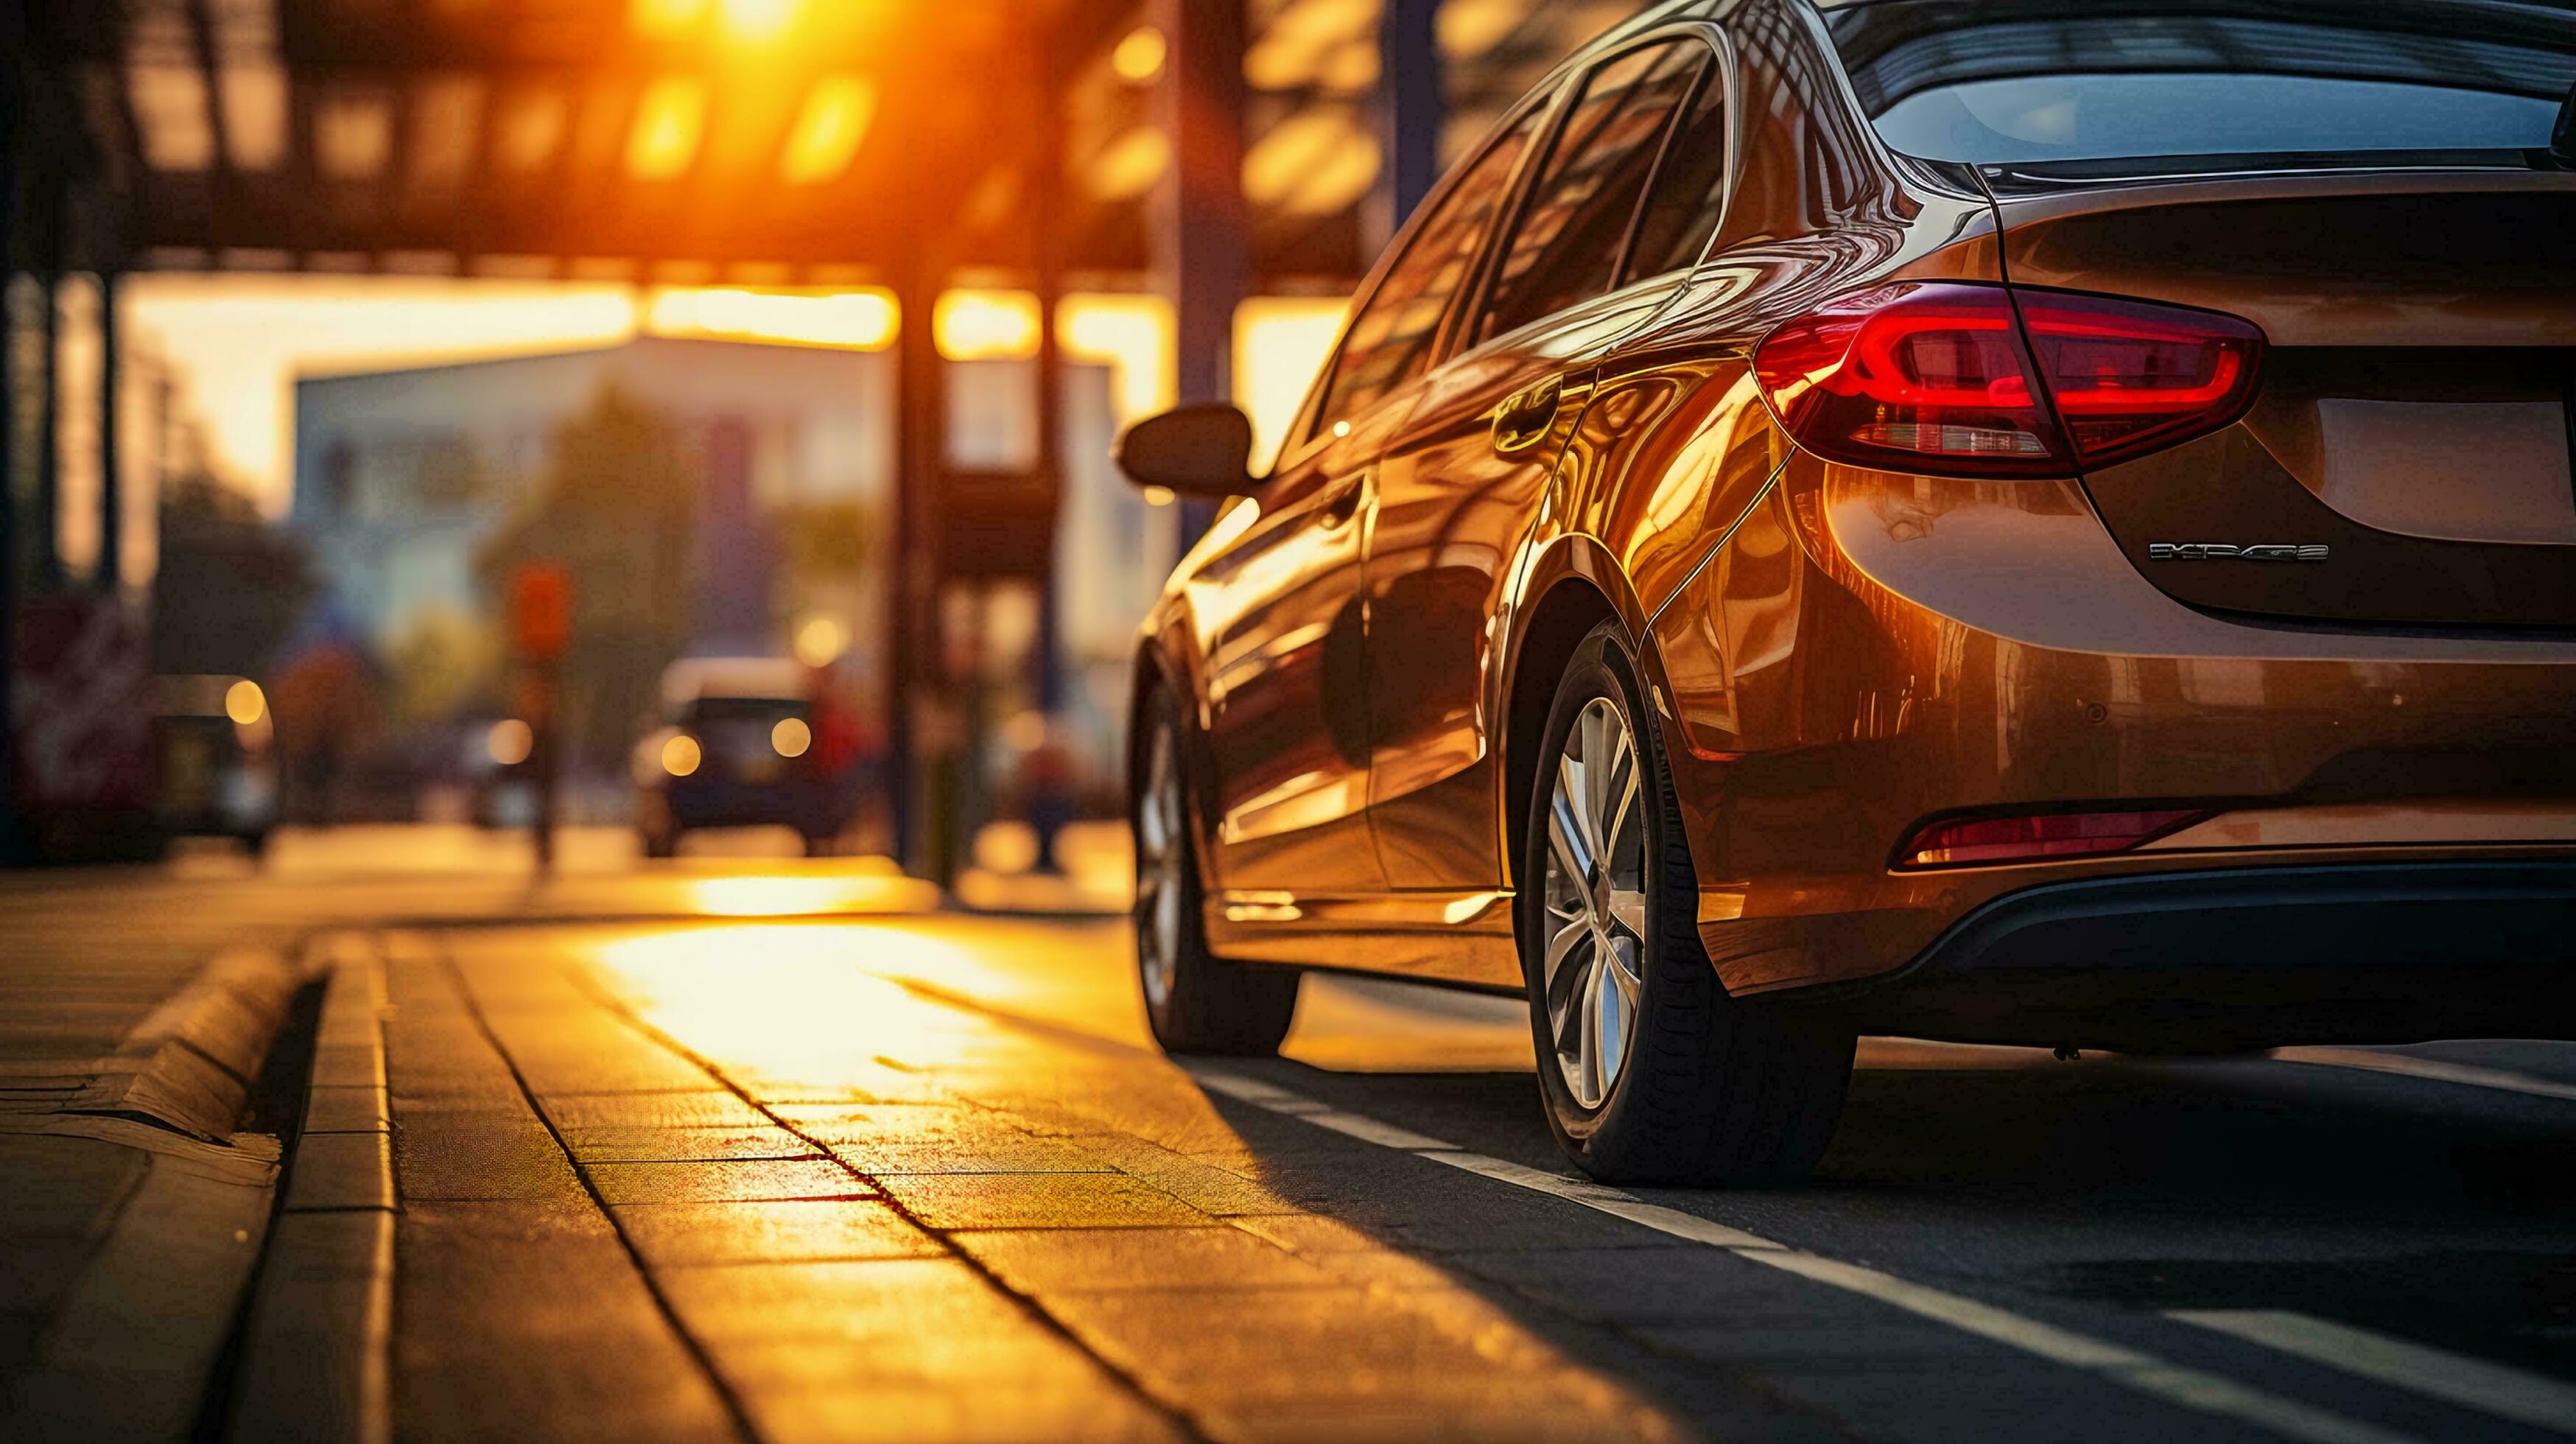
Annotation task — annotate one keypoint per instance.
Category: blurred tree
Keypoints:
(614, 510)
(444, 662)
(827, 541)
(230, 587)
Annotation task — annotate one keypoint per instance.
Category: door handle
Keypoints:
(1337, 509)
(1527, 415)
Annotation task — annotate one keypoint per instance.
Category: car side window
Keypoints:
(1390, 340)
(1567, 244)
(1689, 193)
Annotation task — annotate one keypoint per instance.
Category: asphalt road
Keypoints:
(1999, 1246)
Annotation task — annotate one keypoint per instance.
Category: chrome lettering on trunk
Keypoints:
(2220, 551)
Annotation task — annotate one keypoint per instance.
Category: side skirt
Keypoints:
(1463, 939)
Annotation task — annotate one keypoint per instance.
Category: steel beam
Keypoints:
(1410, 110)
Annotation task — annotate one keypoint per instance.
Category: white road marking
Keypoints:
(2432, 1068)
(1369, 1130)
(2488, 1388)
(2129, 1368)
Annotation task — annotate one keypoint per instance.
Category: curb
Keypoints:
(187, 1066)
(315, 1347)
(128, 1348)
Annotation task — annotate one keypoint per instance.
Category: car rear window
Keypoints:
(1990, 83)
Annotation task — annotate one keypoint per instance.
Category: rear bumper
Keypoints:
(808, 806)
(2251, 957)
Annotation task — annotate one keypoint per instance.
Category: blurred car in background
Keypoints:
(739, 747)
(216, 748)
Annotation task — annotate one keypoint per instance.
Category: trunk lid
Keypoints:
(2410, 456)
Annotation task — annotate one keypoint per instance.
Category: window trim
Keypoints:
(1711, 34)
(1309, 431)
(1728, 78)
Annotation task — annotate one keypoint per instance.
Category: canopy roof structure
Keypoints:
(766, 141)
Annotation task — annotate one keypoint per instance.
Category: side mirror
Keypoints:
(1201, 451)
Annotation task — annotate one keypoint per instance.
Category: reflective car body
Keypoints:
(2363, 762)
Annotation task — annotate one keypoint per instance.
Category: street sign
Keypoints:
(540, 610)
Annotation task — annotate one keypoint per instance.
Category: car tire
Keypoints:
(1682, 1083)
(1195, 1002)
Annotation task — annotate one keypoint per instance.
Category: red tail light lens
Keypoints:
(2129, 377)
(1968, 842)
(1935, 378)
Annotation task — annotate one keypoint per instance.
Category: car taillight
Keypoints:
(1935, 377)
(1966, 842)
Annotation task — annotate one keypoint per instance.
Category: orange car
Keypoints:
(2030, 523)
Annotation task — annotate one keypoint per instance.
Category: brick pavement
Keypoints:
(637, 1199)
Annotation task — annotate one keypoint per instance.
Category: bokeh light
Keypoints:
(510, 741)
(1138, 57)
(758, 19)
(669, 121)
(821, 640)
(681, 755)
(860, 319)
(985, 325)
(791, 737)
(829, 130)
(245, 703)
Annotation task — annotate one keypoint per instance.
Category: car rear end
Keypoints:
(739, 749)
(2222, 546)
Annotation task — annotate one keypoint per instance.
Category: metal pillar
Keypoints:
(111, 488)
(13, 106)
(1201, 253)
(912, 602)
(1045, 180)
(46, 524)
(1411, 108)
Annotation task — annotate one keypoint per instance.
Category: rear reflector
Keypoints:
(1969, 842)
(1935, 377)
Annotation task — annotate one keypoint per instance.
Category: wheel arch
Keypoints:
(1156, 669)
(1574, 586)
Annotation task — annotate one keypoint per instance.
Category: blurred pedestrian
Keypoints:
(1047, 800)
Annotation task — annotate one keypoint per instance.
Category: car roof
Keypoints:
(773, 679)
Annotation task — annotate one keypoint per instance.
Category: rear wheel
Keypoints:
(1649, 1072)
(1195, 1002)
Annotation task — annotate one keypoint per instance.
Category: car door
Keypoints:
(1460, 486)
(1286, 689)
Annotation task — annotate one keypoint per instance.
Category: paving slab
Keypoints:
(678, 1235)
(630, 1144)
(1037, 1200)
(743, 1180)
(698, 1107)
(456, 1156)
(516, 1319)
(1041, 1262)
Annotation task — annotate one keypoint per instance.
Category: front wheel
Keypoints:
(1194, 1001)
(1649, 1072)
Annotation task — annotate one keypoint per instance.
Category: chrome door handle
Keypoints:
(1341, 506)
(1526, 416)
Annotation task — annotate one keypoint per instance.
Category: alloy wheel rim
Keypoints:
(1159, 859)
(1593, 969)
